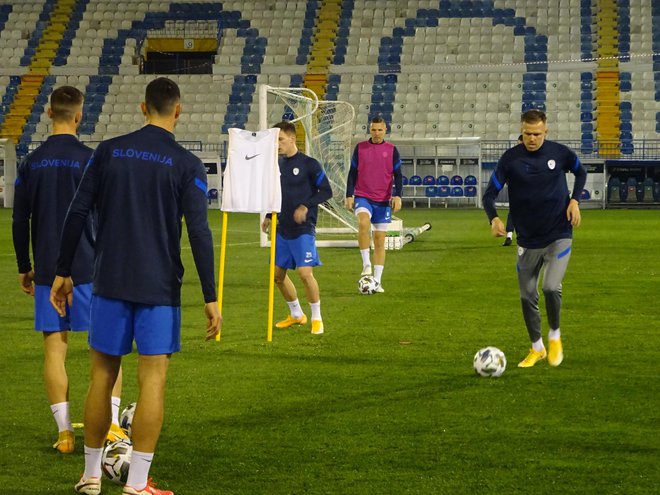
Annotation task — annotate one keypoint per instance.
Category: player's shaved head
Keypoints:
(286, 127)
(533, 116)
(65, 103)
(161, 96)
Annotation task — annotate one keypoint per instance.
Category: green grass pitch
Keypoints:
(385, 402)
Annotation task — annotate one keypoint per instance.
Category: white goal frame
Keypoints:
(346, 223)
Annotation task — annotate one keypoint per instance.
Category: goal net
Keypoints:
(324, 132)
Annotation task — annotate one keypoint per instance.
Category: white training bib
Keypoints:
(251, 181)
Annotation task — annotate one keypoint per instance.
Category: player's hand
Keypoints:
(497, 227)
(573, 213)
(300, 215)
(26, 282)
(396, 204)
(265, 225)
(349, 203)
(61, 294)
(213, 320)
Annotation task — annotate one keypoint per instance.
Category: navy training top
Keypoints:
(538, 191)
(141, 184)
(46, 182)
(303, 182)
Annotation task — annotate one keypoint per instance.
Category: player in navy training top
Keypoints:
(47, 180)
(545, 214)
(375, 172)
(140, 184)
(304, 186)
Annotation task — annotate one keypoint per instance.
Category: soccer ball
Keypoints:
(126, 418)
(116, 460)
(489, 361)
(367, 285)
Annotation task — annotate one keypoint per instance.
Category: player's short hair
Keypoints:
(161, 96)
(520, 138)
(533, 116)
(65, 102)
(286, 127)
(378, 120)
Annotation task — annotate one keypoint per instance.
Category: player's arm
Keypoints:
(352, 177)
(195, 211)
(21, 233)
(398, 182)
(61, 291)
(573, 210)
(495, 185)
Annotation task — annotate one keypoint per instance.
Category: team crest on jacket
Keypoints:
(296, 171)
(551, 164)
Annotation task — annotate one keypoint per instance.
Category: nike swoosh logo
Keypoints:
(307, 261)
(251, 157)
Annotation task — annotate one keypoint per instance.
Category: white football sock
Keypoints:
(554, 334)
(365, 257)
(378, 272)
(138, 473)
(538, 345)
(316, 310)
(509, 235)
(115, 410)
(92, 462)
(294, 308)
(61, 414)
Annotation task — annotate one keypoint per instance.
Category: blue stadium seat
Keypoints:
(415, 180)
(443, 191)
(470, 191)
(613, 190)
(470, 180)
(431, 191)
(456, 180)
(456, 191)
(442, 180)
(428, 180)
(404, 180)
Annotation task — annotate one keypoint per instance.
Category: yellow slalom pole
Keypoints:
(221, 272)
(271, 284)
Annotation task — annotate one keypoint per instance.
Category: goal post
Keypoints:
(325, 132)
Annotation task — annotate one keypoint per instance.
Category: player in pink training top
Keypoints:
(375, 170)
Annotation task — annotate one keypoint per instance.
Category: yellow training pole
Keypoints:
(221, 272)
(271, 284)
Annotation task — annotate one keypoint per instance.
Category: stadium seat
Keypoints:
(631, 190)
(614, 190)
(430, 191)
(443, 191)
(415, 180)
(442, 180)
(428, 180)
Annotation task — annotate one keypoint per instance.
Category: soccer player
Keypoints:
(47, 180)
(304, 186)
(509, 219)
(375, 169)
(545, 215)
(140, 184)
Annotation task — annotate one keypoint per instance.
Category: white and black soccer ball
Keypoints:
(489, 361)
(116, 460)
(367, 285)
(126, 418)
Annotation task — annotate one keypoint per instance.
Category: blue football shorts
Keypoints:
(46, 318)
(115, 324)
(380, 215)
(296, 253)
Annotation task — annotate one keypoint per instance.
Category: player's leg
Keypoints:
(57, 387)
(556, 260)
(55, 338)
(380, 219)
(80, 321)
(116, 432)
(157, 337)
(284, 260)
(529, 266)
(363, 210)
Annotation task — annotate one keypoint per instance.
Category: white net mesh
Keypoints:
(325, 131)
